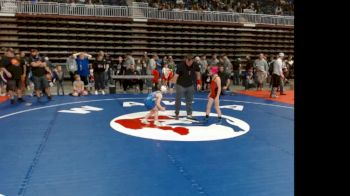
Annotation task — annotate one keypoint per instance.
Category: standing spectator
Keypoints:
(184, 77)
(58, 77)
(213, 61)
(13, 73)
(119, 69)
(99, 67)
(71, 65)
(167, 75)
(49, 63)
(39, 70)
(261, 68)
(227, 64)
(283, 80)
(196, 63)
(290, 67)
(3, 82)
(171, 64)
(129, 61)
(225, 79)
(277, 75)
(159, 66)
(237, 64)
(27, 71)
(152, 62)
(203, 67)
(83, 65)
(270, 63)
(151, 65)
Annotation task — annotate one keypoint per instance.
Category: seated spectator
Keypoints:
(78, 87)
(278, 10)
(249, 80)
(131, 82)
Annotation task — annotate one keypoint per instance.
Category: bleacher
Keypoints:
(57, 36)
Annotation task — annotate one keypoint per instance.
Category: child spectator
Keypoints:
(58, 76)
(91, 79)
(78, 87)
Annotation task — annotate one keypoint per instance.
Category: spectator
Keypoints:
(131, 82)
(278, 10)
(238, 8)
(225, 79)
(78, 87)
(39, 70)
(129, 61)
(91, 79)
(277, 75)
(99, 67)
(13, 74)
(83, 65)
(167, 75)
(227, 64)
(249, 79)
(237, 64)
(71, 65)
(171, 64)
(290, 67)
(119, 69)
(58, 77)
(213, 61)
(261, 68)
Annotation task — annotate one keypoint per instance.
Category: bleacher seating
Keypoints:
(58, 36)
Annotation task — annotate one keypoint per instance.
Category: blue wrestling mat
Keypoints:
(96, 145)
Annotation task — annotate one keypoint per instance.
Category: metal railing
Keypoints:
(10, 6)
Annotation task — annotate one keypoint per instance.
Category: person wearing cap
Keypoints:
(185, 74)
(277, 75)
(39, 70)
(214, 94)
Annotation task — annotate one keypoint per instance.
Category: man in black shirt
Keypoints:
(235, 69)
(14, 83)
(99, 67)
(225, 79)
(186, 73)
(39, 69)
